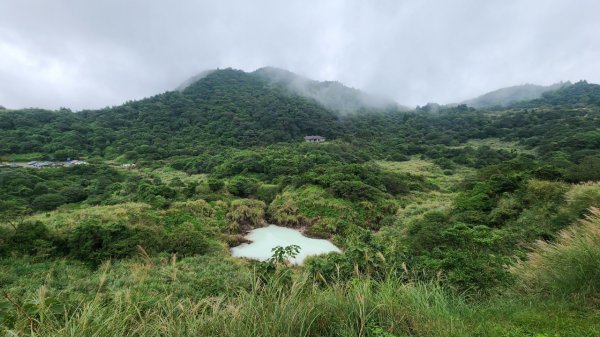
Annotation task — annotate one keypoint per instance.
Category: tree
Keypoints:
(282, 254)
(215, 184)
(587, 170)
(48, 202)
(32, 238)
(64, 154)
(12, 211)
(242, 186)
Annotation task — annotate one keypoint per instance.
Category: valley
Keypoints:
(453, 221)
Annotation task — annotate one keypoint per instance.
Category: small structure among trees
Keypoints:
(314, 139)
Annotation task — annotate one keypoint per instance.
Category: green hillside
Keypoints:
(507, 96)
(581, 94)
(332, 95)
(225, 108)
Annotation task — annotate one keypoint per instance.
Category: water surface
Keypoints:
(266, 238)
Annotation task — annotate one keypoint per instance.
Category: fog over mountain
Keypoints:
(80, 54)
(331, 94)
(513, 94)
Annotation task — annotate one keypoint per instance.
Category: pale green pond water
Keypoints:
(266, 238)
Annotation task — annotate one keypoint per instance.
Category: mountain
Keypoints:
(224, 108)
(514, 94)
(579, 94)
(332, 95)
(232, 109)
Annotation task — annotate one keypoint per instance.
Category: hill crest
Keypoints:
(509, 95)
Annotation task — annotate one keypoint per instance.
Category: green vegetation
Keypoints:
(569, 267)
(452, 221)
(510, 95)
(332, 95)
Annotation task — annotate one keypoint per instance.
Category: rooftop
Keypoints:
(313, 137)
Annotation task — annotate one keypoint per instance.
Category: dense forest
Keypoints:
(452, 220)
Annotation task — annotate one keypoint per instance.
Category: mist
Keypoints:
(84, 55)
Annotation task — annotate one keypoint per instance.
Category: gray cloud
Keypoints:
(91, 54)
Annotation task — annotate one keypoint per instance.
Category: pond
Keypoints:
(266, 238)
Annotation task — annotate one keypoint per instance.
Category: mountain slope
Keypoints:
(224, 108)
(579, 94)
(229, 108)
(332, 95)
(510, 95)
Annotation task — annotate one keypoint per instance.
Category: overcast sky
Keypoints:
(91, 54)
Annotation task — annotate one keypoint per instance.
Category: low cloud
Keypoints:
(81, 54)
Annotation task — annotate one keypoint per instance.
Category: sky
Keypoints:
(84, 54)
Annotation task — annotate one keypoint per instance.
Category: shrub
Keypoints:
(312, 206)
(398, 157)
(215, 184)
(64, 154)
(508, 208)
(467, 255)
(74, 193)
(587, 170)
(48, 202)
(539, 191)
(355, 190)
(580, 197)
(246, 213)
(5, 240)
(395, 183)
(32, 238)
(199, 208)
(267, 192)
(424, 232)
(284, 211)
(570, 266)
(94, 243)
(186, 240)
(242, 186)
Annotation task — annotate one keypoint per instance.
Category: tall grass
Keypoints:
(570, 266)
(361, 308)
(284, 307)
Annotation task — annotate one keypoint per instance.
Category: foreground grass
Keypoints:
(568, 267)
(363, 307)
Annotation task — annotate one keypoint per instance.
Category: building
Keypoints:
(70, 162)
(314, 139)
(39, 164)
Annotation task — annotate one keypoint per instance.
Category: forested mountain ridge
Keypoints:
(579, 94)
(224, 108)
(332, 95)
(510, 95)
(227, 108)
(232, 109)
